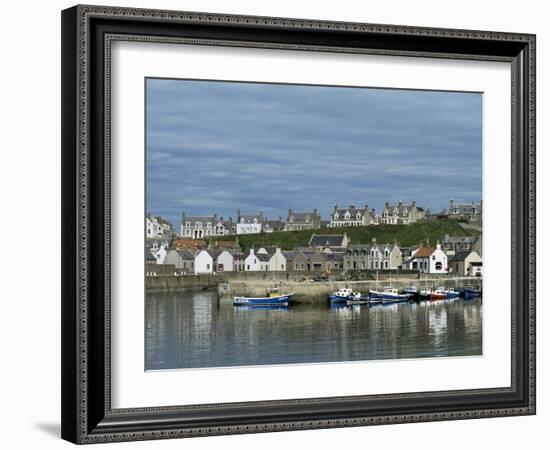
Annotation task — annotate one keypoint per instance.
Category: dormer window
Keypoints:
(291, 219)
(346, 216)
(209, 224)
(307, 218)
(242, 219)
(187, 224)
(336, 216)
(255, 221)
(198, 224)
(455, 210)
(358, 216)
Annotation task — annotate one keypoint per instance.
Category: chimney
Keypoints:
(352, 206)
(438, 246)
(336, 206)
(400, 203)
(366, 206)
(413, 203)
(386, 205)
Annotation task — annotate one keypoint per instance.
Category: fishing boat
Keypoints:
(273, 297)
(389, 294)
(438, 294)
(451, 293)
(342, 295)
(412, 292)
(425, 294)
(470, 293)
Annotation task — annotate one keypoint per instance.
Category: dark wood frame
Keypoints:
(87, 31)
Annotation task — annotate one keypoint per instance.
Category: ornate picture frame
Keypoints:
(87, 35)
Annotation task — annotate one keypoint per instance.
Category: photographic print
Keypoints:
(299, 224)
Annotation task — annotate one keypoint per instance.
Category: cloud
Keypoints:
(213, 147)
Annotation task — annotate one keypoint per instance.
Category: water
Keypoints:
(192, 330)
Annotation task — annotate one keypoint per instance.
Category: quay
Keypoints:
(318, 291)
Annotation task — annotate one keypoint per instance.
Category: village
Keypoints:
(198, 249)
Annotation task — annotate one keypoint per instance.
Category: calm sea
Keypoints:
(192, 330)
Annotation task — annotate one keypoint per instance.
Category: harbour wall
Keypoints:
(311, 292)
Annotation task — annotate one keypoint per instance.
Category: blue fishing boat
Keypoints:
(470, 293)
(451, 293)
(388, 295)
(273, 297)
(343, 295)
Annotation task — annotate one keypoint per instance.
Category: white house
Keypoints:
(249, 223)
(428, 260)
(256, 262)
(204, 262)
(153, 228)
(438, 261)
(160, 254)
(277, 261)
(224, 262)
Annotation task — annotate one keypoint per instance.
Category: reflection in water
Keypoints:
(185, 330)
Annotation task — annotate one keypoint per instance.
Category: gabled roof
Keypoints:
(459, 256)
(300, 216)
(423, 252)
(185, 254)
(149, 256)
(263, 257)
(326, 240)
(288, 254)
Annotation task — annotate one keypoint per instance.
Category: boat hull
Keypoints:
(252, 301)
(471, 293)
(338, 299)
(438, 297)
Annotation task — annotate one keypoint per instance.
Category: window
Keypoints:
(438, 265)
(208, 267)
(385, 264)
(248, 267)
(346, 216)
(209, 224)
(255, 221)
(307, 219)
(198, 224)
(187, 224)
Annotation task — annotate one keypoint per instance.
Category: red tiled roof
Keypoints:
(423, 252)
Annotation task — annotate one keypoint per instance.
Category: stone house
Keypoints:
(471, 212)
(372, 257)
(271, 225)
(350, 217)
(333, 241)
(224, 227)
(181, 259)
(455, 244)
(401, 214)
(198, 227)
(302, 220)
(462, 264)
(156, 227)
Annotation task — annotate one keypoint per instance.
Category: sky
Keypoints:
(215, 147)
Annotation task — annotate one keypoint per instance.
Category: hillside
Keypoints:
(405, 235)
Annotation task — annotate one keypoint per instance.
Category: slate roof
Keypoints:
(263, 257)
(351, 209)
(204, 219)
(463, 209)
(288, 254)
(300, 216)
(459, 256)
(326, 240)
(274, 224)
(185, 254)
(401, 208)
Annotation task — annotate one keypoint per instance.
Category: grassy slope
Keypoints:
(405, 235)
